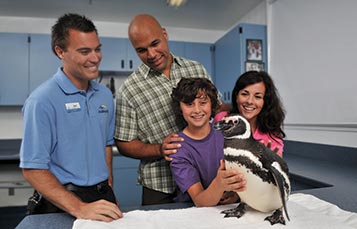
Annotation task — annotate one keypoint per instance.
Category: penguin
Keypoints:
(267, 174)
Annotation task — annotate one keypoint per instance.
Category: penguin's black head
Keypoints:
(233, 126)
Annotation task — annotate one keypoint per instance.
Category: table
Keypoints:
(64, 220)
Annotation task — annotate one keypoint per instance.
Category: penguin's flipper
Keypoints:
(276, 217)
(280, 183)
(235, 212)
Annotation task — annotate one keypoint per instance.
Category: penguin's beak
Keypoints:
(222, 125)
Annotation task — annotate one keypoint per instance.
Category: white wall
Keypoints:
(258, 15)
(312, 49)
(11, 118)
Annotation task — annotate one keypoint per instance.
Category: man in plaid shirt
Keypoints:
(145, 123)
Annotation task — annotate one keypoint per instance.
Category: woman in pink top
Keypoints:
(255, 97)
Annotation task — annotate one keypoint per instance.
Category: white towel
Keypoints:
(305, 211)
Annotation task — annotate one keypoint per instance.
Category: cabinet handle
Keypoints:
(122, 64)
(229, 95)
(131, 64)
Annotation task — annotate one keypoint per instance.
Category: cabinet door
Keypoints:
(177, 48)
(200, 52)
(133, 60)
(118, 55)
(43, 62)
(228, 57)
(114, 54)
(126, 189)
(13, 68)
(254, 32)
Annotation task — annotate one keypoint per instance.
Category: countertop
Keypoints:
(333, 166)
(10, 149)
(64, 220)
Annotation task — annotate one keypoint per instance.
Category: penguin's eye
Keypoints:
(235, 122)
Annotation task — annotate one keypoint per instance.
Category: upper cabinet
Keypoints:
(201, 52)
(118, 55)
(43, 62)
(230, 55)
(14, 67)
(28, 61)
(177, 48)
(133, 58)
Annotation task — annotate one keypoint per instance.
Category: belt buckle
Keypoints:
(102, 188)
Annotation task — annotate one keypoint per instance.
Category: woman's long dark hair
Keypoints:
(270, 119)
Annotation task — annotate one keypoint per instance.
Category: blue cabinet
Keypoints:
(200, 52)
(14, 68)
(126, 189)
(133, 60)
(28, 62)
(177, 48)
(43, 62)
(230, 56)
(118, 55)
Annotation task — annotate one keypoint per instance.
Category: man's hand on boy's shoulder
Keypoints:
(170, 145)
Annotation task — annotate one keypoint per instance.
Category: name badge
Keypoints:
(73, 107)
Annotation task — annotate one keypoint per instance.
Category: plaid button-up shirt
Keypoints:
(144, 112)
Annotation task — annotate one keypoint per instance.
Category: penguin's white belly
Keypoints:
(259, 194)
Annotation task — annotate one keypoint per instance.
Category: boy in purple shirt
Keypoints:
(198, 167)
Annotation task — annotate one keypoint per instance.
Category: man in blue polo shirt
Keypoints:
(66, 152)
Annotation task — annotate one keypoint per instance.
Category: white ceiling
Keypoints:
(200, 14)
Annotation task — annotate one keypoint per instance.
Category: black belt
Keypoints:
(101, 187)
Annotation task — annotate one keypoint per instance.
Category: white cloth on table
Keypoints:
(305, 211)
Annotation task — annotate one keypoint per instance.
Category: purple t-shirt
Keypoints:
(196, 161)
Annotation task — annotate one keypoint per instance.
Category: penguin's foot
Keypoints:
(276, 217)
(235, 212)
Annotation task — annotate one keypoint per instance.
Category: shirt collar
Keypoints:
(146, 71)
(68, 87)
(176, 60)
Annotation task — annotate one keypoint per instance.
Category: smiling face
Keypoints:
(150, 41)
(81, 58)
(250, 101)
(198, 112)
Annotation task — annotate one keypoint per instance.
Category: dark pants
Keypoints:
(151, 196)
(37, 204)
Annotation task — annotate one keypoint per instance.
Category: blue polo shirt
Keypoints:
(66, 130)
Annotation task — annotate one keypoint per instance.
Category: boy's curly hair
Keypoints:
(187, 90)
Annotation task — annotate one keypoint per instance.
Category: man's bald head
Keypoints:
(142, 22)
(150, 41)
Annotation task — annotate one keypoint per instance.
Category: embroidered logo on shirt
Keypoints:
(103, 109)
(73, 107)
